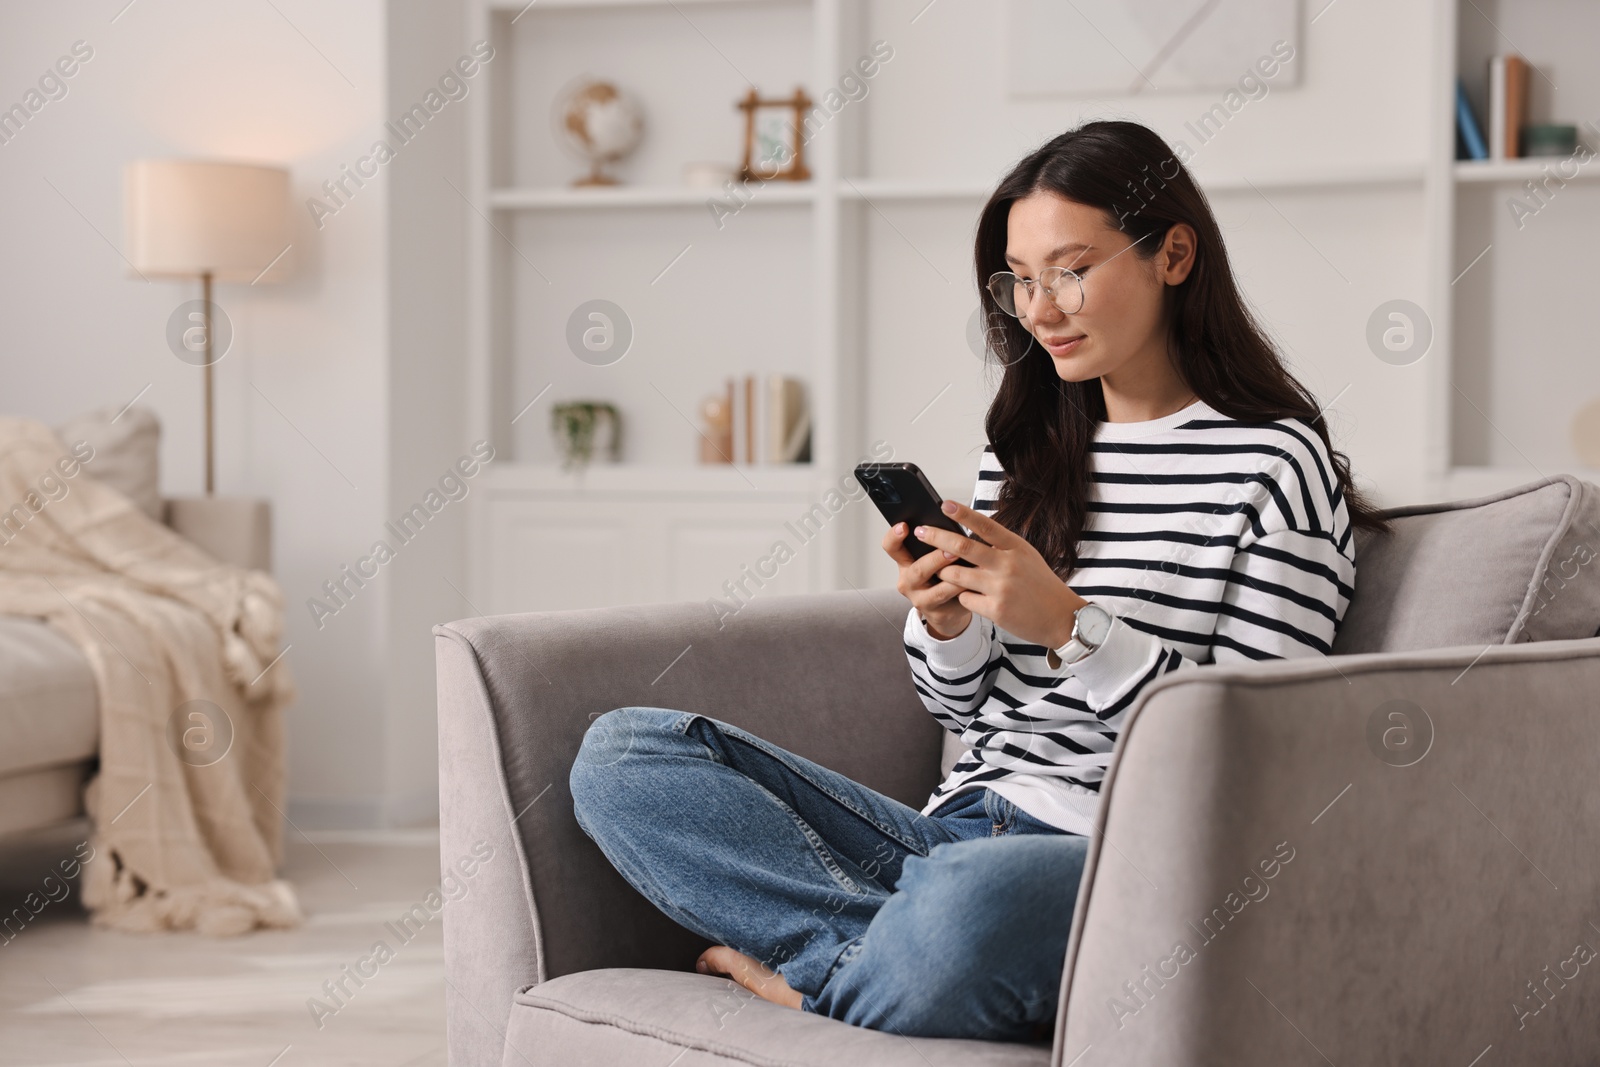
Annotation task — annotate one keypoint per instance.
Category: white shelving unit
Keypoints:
(660, 525)
(1514, 356)
(1517, 171)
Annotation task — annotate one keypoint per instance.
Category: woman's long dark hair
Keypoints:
(1040, 426)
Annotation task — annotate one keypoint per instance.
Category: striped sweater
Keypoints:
(1210, 540)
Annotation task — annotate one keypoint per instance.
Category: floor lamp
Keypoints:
(222, 222)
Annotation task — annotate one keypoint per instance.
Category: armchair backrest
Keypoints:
(1520, 565)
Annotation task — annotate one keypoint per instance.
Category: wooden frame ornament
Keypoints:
(792, 157)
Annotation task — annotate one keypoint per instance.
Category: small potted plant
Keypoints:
(584, 427)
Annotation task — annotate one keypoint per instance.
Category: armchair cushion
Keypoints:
(1515, 566)
(637, 1015)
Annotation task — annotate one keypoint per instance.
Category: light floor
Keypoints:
(72, 994)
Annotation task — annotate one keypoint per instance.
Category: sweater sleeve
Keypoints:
(953, 677)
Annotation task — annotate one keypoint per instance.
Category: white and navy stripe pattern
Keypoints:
(1211, 540)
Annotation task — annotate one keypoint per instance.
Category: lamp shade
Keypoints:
(187, 217)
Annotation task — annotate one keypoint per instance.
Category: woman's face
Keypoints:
(1120, 325)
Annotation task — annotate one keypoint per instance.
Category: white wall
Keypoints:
(312, 413)
(427, 397)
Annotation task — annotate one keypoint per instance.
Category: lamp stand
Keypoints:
(205, 287)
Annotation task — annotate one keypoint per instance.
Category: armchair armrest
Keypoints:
(823, 675)
(1272, 872)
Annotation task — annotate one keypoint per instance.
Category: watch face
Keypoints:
(1094, 623)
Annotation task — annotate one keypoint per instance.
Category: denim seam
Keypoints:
(912, 846)
(1006, 809)
(819, 847)
(846, 954)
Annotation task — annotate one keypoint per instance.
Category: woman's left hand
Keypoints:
(1009, 582)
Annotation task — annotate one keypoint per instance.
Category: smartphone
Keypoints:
(904, 494)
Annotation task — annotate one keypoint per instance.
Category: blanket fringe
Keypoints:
(217, 907)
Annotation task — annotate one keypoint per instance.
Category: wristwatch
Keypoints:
(1090, 625)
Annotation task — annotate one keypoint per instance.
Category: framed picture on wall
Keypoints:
(1129, 47)
(774, 149)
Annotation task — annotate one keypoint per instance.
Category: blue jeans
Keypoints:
(952, 924)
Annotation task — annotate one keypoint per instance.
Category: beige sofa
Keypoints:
(49, 712)
(1343, 900)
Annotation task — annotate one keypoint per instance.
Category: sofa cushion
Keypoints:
(1520, 565)
(637, 1015)
(48, 700)
(127, 451)
(45, 795)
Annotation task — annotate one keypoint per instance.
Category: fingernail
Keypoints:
(949, 507)
(920, 530)
(899, 527)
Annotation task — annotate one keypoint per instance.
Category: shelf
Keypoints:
(891, 189)
(560, 197)
(1520, 170)
(873, 189)
(1320, 178)
(568, 5)
(512, 477)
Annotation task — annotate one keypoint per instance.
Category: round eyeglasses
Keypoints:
(1063, 285)
(1014, 295)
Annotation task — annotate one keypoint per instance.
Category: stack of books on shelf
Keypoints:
(1508, 96)
(1508, 133)
(756, 420)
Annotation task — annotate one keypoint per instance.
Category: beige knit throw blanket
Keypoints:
(179, 843)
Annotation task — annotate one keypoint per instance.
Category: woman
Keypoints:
(1158, 492)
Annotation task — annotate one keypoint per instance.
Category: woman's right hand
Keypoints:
(936, 603)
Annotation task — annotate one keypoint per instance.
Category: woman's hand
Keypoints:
(1009, 582)
(936, 603)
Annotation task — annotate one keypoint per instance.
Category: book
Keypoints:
(1516, 103)
(759, 420)
(747, 443)
(1467, 125)
(1497, 107)
(716, 416)
(788, 419)
(1508, 104)
(741, 420)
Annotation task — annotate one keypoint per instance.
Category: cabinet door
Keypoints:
(750, 547)
(554, 553)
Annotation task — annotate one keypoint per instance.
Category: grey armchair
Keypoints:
(1390, 855)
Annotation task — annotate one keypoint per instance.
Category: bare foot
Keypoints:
(748, 972)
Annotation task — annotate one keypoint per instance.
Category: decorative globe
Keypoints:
(598, 123)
